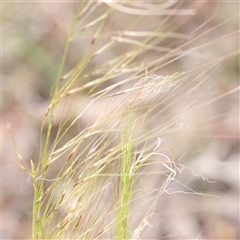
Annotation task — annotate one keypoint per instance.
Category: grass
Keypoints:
(87, 180)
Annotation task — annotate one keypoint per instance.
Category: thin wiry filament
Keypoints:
(148, 87)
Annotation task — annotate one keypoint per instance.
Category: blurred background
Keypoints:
(33, 39)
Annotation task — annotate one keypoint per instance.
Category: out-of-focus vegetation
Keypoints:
(195, 114)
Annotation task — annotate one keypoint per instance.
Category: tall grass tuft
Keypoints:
(89, 180)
